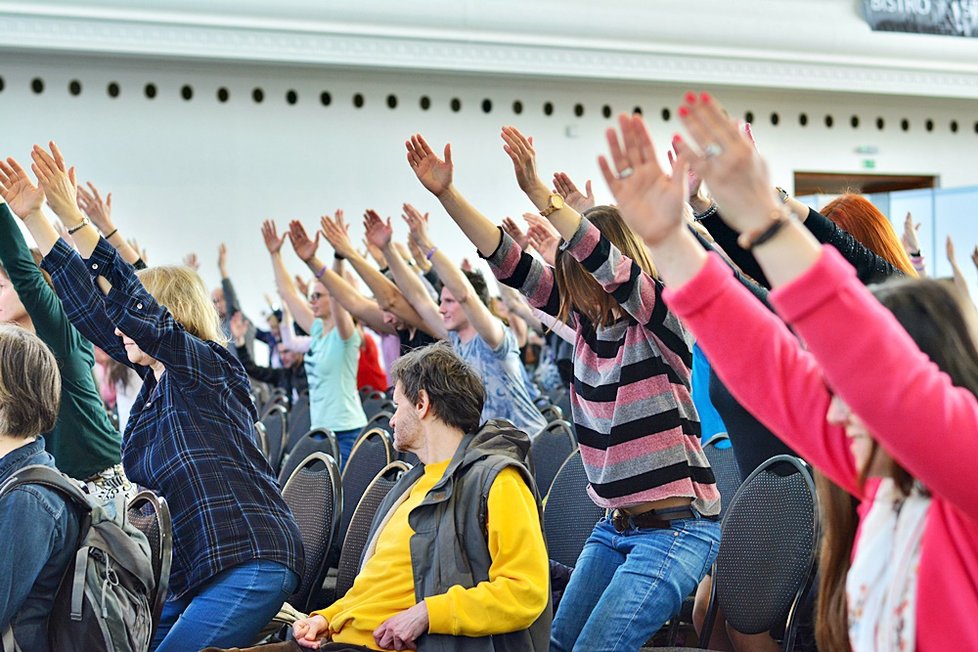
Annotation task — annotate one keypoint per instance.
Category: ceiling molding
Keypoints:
(255, 40)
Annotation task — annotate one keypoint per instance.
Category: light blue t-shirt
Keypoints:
(501, 371)
(331, 367)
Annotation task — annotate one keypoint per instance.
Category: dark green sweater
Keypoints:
(83, 440)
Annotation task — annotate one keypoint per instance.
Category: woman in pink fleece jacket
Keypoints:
(899, 427)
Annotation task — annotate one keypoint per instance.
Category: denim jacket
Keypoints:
(38, 538)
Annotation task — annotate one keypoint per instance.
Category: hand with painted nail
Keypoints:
(727, 160)
(649, 200)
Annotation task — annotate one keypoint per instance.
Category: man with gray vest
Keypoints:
(456, 558)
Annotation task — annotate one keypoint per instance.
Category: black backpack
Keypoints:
(105, 600)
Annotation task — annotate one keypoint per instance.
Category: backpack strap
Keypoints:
(51, 478)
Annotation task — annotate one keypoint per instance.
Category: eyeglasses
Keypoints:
(315, 296)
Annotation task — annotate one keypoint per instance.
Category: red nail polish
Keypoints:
(677, 138)
(705, 97)
(690, 97)
(683, 112)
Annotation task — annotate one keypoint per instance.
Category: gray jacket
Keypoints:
(449, 546)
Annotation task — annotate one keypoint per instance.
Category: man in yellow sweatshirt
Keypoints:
(456, 558)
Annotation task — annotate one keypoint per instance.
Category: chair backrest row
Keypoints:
(314, 493)
(317, 440)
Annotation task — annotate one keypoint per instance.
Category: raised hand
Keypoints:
(222, 259)
(466, 265)
(191, 261)
(545, 241)
(16, 188)
(909, 238)
(378, 232)
(434, 173)
(423, 263)
(269, 233)
(58, 182)
(303, 285)
(515, 232)
(949, 246)
(728, 161)
(693, 182)
(649, 200)
(524, 157)
(418, 224)
(579, 201)
(97, 210)
(305, 247)
(535, 219)
(239, 327)
(337, 233)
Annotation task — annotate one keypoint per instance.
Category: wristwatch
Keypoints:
(782, 194)
(554, 203)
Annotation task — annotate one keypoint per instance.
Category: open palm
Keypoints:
(21, 195)
(378, 231)
(434, 173)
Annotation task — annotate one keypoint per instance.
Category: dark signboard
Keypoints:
(947, 17)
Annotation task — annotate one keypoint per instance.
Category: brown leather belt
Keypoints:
(656, 519)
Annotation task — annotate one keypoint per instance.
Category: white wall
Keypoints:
(188, 174)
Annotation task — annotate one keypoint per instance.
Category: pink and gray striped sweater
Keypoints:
(638, 430)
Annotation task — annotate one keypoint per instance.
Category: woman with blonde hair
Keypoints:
(237, 552)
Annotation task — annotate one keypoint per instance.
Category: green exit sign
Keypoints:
(869, 164)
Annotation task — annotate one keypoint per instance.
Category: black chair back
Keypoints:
(276, 422)
(276, 397)
(374, 406)
(552, 413)
(768, 549)
(299, 422)
(549, 450)
(315, 496)
(725, 469)
(359, 530)
(380, 420)
(317, 440)
(150, 514)
(262, 435)
(569, 515)
(371, 453)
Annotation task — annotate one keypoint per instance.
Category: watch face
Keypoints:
(556, 201)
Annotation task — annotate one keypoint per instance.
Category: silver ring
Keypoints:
(711, 150)
(627, 172)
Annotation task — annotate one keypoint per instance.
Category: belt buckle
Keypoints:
(620, 521)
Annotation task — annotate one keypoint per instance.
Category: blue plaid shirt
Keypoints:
(191, 436)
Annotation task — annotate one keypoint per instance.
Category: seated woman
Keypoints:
(237, 552)
(903, 447)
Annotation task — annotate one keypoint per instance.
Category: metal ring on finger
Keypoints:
(711, 150)
(626, 172)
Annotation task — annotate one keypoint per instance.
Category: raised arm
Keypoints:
(387, 295)
(298, 305)
(509, 263)
(230, 296)
(348, 297)
(100, 213)
(423, 308)
(960, 284)
(485, 323)
(305, 248)
(551, 205)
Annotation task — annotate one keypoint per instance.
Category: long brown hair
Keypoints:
(579, 292)
(857, 215)
(935, 316)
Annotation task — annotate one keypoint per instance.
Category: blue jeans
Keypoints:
(627, 584)
(228, 611)
(346, 439)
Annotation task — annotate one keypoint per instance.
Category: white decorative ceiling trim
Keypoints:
(249, 41)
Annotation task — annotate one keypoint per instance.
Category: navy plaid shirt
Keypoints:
(191, 436)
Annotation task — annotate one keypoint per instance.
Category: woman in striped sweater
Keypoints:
(635, 420)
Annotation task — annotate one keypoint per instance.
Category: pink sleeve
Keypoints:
(764, 367)
(922, 420)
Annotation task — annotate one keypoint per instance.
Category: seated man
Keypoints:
(38, 531)
(456, 558)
